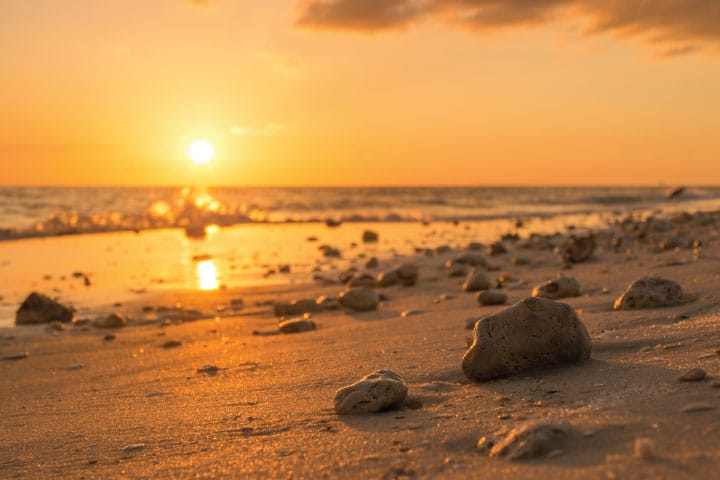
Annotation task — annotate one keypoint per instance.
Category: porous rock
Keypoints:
(492, 297)
(532, 439)
(39, 308)
(360, 299)
(563, 287)
(475, 281)
(650, 292)
(532, 333)
(378, 391)
(296, 325)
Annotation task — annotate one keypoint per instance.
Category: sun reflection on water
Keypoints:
(207, 275)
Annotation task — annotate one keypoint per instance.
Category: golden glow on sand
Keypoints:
(201, 152)
(207, 275)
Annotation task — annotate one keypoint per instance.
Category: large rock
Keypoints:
(476, 281)
(578, 248)
(378, 391)
(563, 287)
(360, 299)
(532, 333)
(650, 292)
(39, 308)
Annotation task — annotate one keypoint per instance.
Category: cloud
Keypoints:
(269, 130)
(680, 23)
(280, 63)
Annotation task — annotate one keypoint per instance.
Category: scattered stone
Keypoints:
(237, 303)
(296, 325)
(362, 280)
(172, 344)
(563, 287)
(442, 249)
(496, 248)
(530, 440)
(471, 321)
(17, 356)
(408, 274)
(645, 449)
(532, 333)
(296, 307)
(39, 308)
(387, 279)
(697, 407)
(408, 313)
(650, 292)
(55, 327)
(715, 384)
(520, 261)
(458, 270)
(378, 391)
(372, 263)
(369, 236)
(475, 281)
(208, 369)
(329, 251)
(360, 299)
(109, 338)
(693, 375)
(77, 366)
(113, 320)
(492, 297)
(285, 268)
(445, 296)
(133, 447)
(470, 258)
(578, 248)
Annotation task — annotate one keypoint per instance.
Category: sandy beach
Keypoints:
(80, 405)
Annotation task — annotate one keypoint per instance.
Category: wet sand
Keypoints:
(80, 406)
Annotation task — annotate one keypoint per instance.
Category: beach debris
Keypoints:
(113, 320)
(135, 447)
(172, 344)
(296, 325)
(650, 292)
(532, 333)
(362, 280)
(473, 259)
(562, 287)
(372, 263)
(645, 449)
(492, 297)
(369, 236)
(693, 375)
(39, 308)
(475, 281)
(375, 392)
(496, 248)
(578, 248)
(387, 278)
(532, 439)
(360, 299)
(17, 356)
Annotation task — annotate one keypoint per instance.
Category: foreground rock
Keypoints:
(296, 325)
(475, 281)
(532, 333)
(378, 391)
(650, 292)
(39, 308)
(529, 440)
(360, 299)
(563, 287)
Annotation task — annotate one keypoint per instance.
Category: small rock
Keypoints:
(476, 280)
(372, 263)
(109, 338)
(77, 366)
(645, 449)
(360, 299)
(697, 407)
(408, 313)
(285, 268)
(330, 252)
(563, 287)
(470, 258)
(17, 356)
(496, 248)
(471, 321)
(387, 279)
(532, 440)
(39, 308)
(408, 274)
(532, 333)
(520, 261)
(296, 307)
(362, 280)
(492, 297)
(208, 369)
(458, 270)
(369, 236)
(693, 375)
(114, 320)
(650, 292)
(133, 447)
(296, 325)
(578, 248)
(237, 303)
(171, 344)
(378, 391)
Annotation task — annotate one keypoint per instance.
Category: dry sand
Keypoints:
(82, 407)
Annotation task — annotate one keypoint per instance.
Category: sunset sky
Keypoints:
(360, 92)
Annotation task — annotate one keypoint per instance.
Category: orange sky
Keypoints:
(360, 92)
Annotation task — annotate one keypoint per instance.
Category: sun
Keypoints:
(201, 152)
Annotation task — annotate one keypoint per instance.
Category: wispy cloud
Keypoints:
(268, 130)
(679, 23)
(280, 63)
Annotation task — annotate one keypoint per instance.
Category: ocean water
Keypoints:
(46, 211)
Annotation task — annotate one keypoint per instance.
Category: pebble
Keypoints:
(208, 369)
(360, 299)
(475, 281)
(113, 320)
(39, 308)
(532, 333)
(171, 344)
(362, 280)
(530, 440)
(650, 292)
(133, 447)
(408, 313)
(296, 307)
(693, 375)
(697, 407)
(372, 263)
(17, 356)
(408, 274)
(563, 287)
(578, 248)
(375, 392)
(369, 236)
(109, 338)
(520, 261)
(458, 270)
(387, 278)
(492, 297)
(296, 325)
(496, 248)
